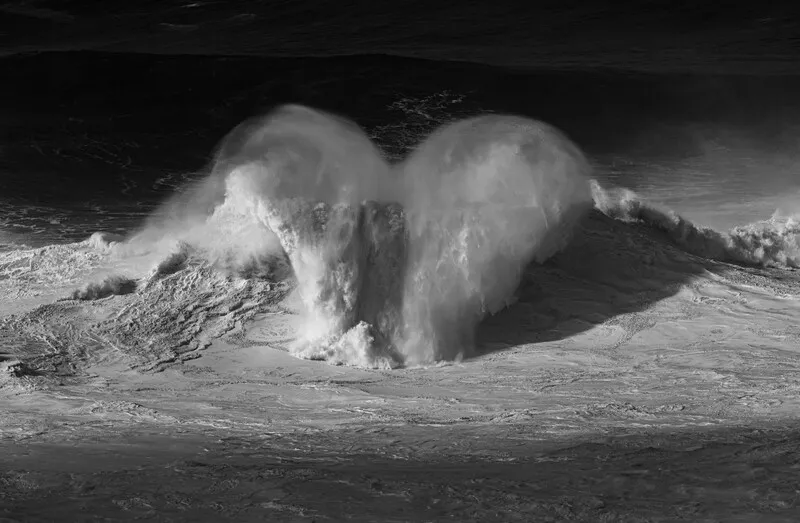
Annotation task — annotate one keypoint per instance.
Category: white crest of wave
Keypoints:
(771, 243)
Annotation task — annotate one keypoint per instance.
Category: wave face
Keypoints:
(398, 264)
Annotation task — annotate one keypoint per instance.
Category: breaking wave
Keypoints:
(400, 262)
(111, 285)
(393, 264)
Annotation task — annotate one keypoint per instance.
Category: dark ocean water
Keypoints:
(110, 111)
(660, 36)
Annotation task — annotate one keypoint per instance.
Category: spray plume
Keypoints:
(395, 264)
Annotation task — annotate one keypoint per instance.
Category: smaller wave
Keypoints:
(771, 243)
(9, 247)
(110, 286)
(179, 28)
(104, 241)
(53, 264)
(10, 241)
(173, 262)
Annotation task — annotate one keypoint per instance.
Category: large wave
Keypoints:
(395, 264)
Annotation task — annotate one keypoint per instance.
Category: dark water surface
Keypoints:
(95, 140)
(656, 36)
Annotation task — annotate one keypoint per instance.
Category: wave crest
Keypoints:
(771, 243)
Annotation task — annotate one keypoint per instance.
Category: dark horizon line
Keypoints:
(600, 69)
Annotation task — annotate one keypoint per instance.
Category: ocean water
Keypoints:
(661, 37)
(96, 141)
(506, 232)
(157, 153)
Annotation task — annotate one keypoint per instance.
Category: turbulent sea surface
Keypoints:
(150, 283)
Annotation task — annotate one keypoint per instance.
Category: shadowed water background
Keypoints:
(95, 141)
